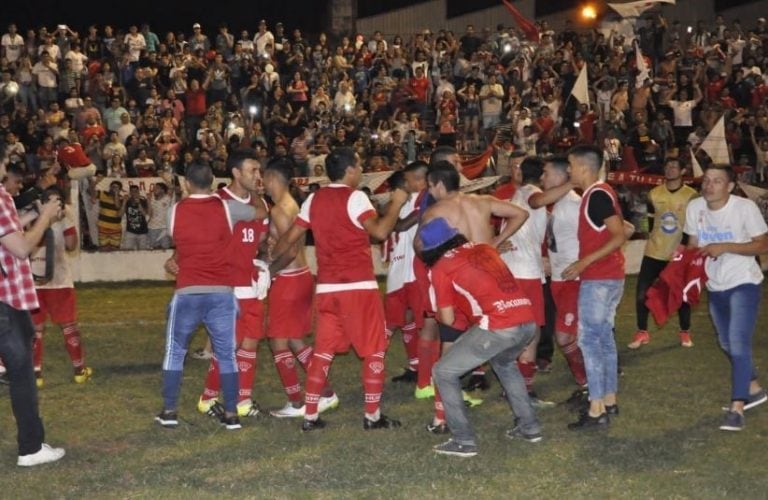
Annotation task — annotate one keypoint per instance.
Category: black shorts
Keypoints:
(448, 333)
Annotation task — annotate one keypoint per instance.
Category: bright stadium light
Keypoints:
(589, 12)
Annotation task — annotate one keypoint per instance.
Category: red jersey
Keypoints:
(681, 281)
(419, 87)
(244, 244)
(72, 156)
(592, 237)
(473, 278)
(201, 229)
(335, 214)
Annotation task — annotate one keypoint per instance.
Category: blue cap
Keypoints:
(435, 233)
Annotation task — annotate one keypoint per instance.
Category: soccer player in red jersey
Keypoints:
(250, 229)
(290, 298)
(472, 276)
(350, 312)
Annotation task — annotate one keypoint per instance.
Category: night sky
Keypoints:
(165, 15)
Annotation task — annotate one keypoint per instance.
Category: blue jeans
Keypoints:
(734, 313)
(218, 312)
(475, 347)
(16, 333)
(598, 300)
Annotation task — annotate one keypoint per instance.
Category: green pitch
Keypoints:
(665, 443)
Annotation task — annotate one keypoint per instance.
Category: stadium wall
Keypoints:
(432, 15)
(148, 264)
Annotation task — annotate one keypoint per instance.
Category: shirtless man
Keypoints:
(470, 215)
(290, 298)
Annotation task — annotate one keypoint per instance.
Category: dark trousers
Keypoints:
(546, 348)
(16, 333)
(650, 269)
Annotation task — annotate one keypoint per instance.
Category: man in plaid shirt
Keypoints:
(17, 298)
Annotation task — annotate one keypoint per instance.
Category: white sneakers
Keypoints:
(288, 411)
(45, 455)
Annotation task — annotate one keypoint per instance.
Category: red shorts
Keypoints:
(58, 303)
(565, 295)
(352, 318)
(290, 304)
(534, 291)
(398, 302)
(250, 320)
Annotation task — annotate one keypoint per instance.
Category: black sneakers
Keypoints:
(311, 425)
(168, 419)
(231, 423)
(588, 422)
(383, 422)
(517, 433)
(441, 428)
(408, 377)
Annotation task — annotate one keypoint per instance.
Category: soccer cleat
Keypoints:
(455, 449)
(83, 375)
(214, 410)
(311, 425)
(469, 401)
(202, 354)
(685, 338)
(754, 400)
(578, 399)
(288, 411)
(426, 392)
(231, 423)
(588, 422)
(327, 403)
(612, 410)
(734, 421)
(204, 405)
(439, 428)
(641, 338)
(383, 422)
(408, 376)
(249, 409)
(39, 381)
(46, 455)
(517, 433)
(477, 381)
(168, 419)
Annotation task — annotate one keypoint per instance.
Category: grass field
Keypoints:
(665, 444)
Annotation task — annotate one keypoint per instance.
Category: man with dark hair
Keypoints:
(601, 270)
(249, 217)
(472, 276)
(349, 309)
(730, 231)
(446, 153)
(290, 298)
(204, 292)
(669, 202)
(17, 298)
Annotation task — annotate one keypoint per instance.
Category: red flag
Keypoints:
(528, 27)
(473, 168)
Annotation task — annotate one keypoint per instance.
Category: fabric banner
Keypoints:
(581, 87)
(372, 181)
(527, 26)
(474, 167)
(716, 145)
(634, 9)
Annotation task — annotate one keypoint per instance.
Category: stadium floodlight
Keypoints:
(589, 12)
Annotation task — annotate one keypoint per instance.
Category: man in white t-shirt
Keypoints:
(682, 108)
(12, 44)
(46, 71)
(731, 232)
(262, 38)
(135, 43)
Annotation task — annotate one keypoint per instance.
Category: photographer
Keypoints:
(17, 298)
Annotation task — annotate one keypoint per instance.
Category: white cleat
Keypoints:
(288, 411)
(328, 403)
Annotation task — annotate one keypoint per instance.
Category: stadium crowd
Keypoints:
(135, 104)
(262, 110)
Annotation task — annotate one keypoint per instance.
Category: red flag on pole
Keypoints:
(528, 26)
(473, 168)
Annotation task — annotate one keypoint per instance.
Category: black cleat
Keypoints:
(231, 423)
(441, 428)
(408, 376)
(168, 419)
(475, 382)
(216, 411)
(383, 422)
(588, 422)
(578, 399)
(311, 425)
(612, 410)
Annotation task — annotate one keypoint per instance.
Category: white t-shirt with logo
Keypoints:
(683, 112)
(563, 234)
(737, 222)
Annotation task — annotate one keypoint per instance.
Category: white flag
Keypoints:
(697, 170)
(642, 67)
(581, 88)
(715, 144)
(634, 9)
(753, 192)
